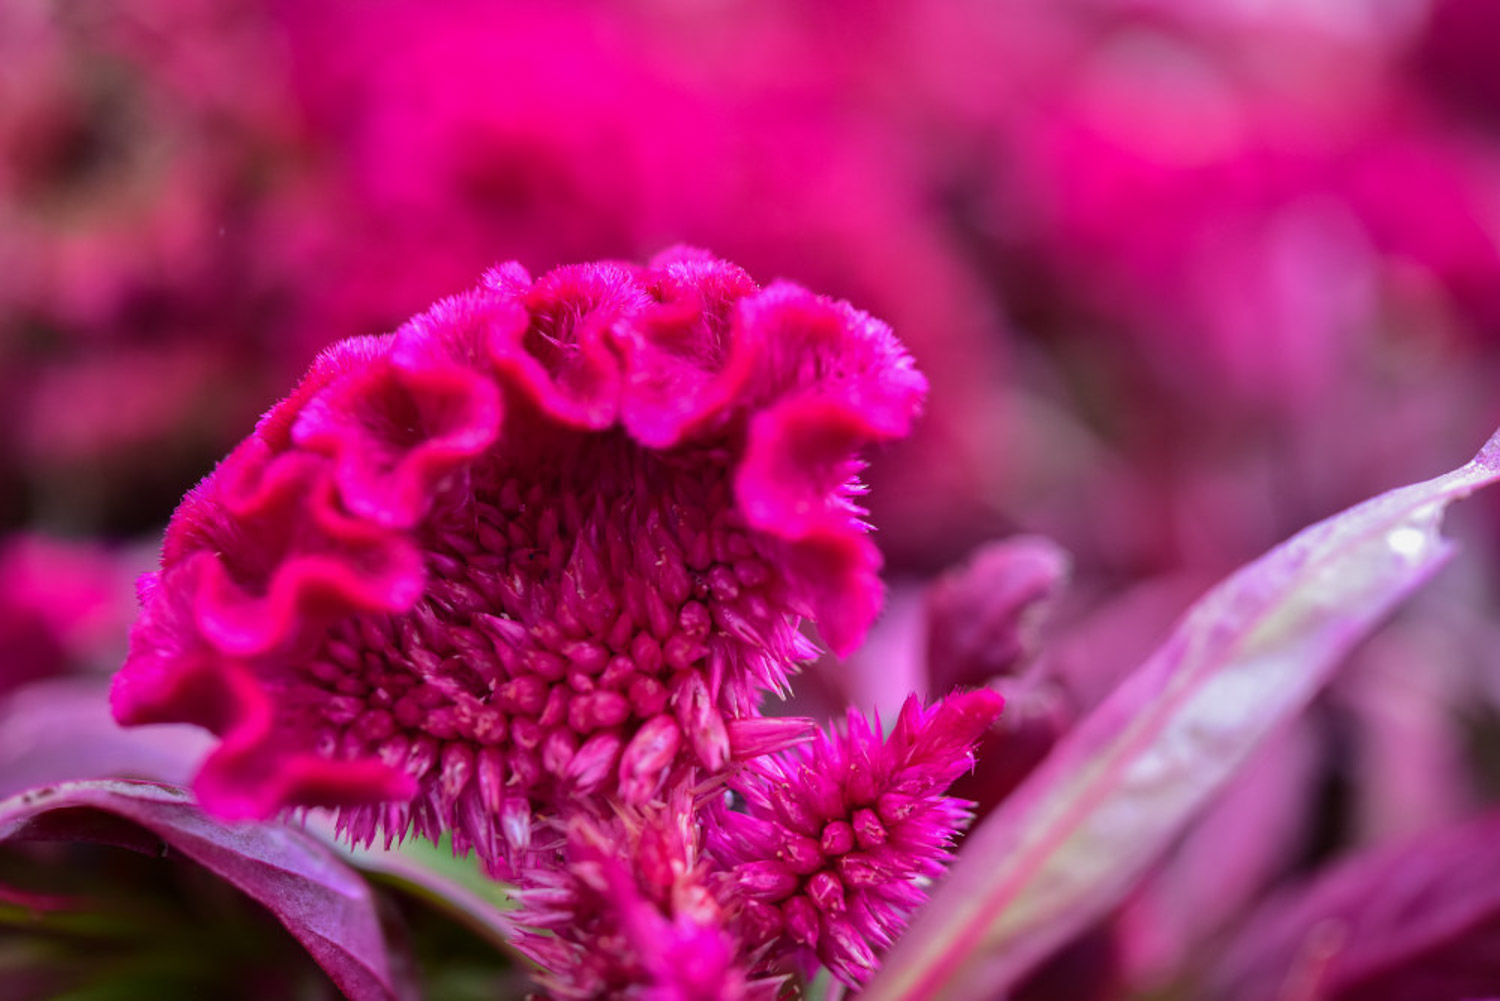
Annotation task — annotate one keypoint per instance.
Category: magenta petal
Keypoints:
(750, 738)
(259, 781)
(790, 342)
(675, 352)
(797, 483)
(394, 433)
(297, 558)
(575, 315)
(461, 331)
(838, 575)
(799, 464)
(305, 591)
(349, 355)
(171, 675)
(253, 773)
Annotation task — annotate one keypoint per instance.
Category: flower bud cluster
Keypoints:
(839, 836)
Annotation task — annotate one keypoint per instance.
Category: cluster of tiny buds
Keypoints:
(524, 571)
(561, 663)
(837, 837)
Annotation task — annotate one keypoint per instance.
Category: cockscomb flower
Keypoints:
(544, 546)
(838, 836)
(628, 911)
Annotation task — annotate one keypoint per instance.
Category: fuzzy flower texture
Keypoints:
(523, 572)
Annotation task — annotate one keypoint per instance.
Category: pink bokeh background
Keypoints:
(1184, 276)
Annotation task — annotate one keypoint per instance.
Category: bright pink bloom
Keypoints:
(549, 541)
(838, 834)
(630, 912)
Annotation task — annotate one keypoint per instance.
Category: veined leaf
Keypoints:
(317, 897)
(1078, 834)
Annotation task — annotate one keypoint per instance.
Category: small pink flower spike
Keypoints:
(546, 545)
(629, 913)
(829, 857)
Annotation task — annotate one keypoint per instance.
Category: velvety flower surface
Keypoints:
(837, 836)
(544, 546)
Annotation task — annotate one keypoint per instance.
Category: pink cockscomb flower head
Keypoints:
(544, 546)
(829, 856)
(628, 911)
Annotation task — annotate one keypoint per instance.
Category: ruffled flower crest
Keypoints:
(549, 541)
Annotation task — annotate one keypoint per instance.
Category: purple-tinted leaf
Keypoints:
(457, 886)
(1086, 969)
(1400, 695)
(1232, 854)
(1419, 920)
(61, 730)
(320, 900)
(1094, 654)
(1034, 719)
(984, 619)
(1070, 843)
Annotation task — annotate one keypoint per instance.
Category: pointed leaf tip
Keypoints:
(1112, 796)
(1489, 456)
